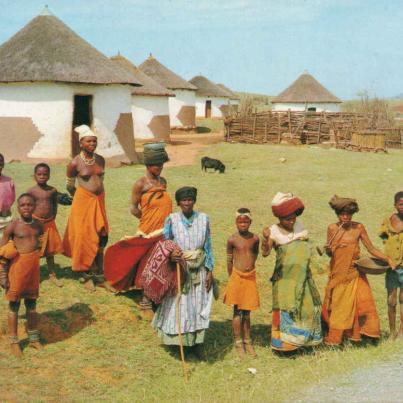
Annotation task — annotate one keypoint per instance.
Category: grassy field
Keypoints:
(97, 347)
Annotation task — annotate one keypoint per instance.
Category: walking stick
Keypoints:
(321, 250)
(178, 321)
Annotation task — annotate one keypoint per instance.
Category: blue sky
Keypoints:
(250, 45)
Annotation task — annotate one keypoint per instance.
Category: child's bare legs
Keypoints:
(236, 327)
(50, 261)
(32, 324)
(14, 306)
(392, 302)
(246, 333)
(401, 314)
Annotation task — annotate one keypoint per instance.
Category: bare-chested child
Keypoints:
(19, 270)
(45, 212)
(241, 291)
(392, 233)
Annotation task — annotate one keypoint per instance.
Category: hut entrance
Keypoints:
(82, 115)
(208, 109)
(312, 109)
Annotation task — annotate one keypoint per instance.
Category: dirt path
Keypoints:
(382, 383)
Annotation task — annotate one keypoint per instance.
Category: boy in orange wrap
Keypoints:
(241, 291)
(19, 270)
(45, 212)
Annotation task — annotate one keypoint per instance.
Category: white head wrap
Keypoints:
(249, 215)
(280, 198)
(84, 131)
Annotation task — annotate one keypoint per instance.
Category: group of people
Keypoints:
(170, 259)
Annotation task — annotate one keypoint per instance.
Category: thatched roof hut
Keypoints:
(150, 104)
(206, 88)
(52, 80)
(309, 93)
(211, 100)
(182, 106)
(230, 93)
(157, 71)
(148, 85)
(47, 50)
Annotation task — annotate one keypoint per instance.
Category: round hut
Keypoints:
(306, 94)
(52, 80)
(211, 100)
(182, 106)
(150, 104)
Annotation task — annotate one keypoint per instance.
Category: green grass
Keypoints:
(208, 125)
(98, 348)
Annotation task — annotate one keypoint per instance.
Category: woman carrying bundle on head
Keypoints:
(349, 307)
(296, 318)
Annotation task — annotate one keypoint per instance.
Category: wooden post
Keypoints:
(265, 130)
(279, 127)
(319, 127)
(254, 126)
(289, 122)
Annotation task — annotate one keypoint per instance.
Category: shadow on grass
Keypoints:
(61, 272)
(61, 324)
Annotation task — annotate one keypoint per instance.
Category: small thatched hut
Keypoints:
(52, 80)
(150, 104)
(182, 106)
(211, 100)
(306, 94)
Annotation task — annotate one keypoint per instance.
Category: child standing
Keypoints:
(45, 212)
(7, 198)
(20, 246)
(392, 233)
(242, 252)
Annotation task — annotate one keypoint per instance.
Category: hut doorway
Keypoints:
(82, 115)
(208, 109)
(312, 109)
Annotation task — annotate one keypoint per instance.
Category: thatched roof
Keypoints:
(306, 89)
(230, 93)
(158, 72)
(149, 86)
(47, 50)
(206, 88)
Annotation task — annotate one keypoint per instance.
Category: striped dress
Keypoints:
(190, 234)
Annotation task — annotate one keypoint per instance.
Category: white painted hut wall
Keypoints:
(216, 103)
(50, 106)
(320, 107)
(144, 108)
(181, 98)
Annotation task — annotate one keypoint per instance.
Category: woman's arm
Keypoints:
(372, 250)
(71, 173)
(230, 256)
(136, 198)
(267, 243)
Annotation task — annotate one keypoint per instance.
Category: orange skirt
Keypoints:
(24, 276)
(87, 222)
(351, 312)
(51, 243)
(242, 290)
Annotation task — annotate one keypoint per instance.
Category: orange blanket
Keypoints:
(242, 290)
(156, 205)
(23, 274)
(349, 307)
(51, 243)
(86, 223)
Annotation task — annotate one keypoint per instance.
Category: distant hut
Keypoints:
(182, 106)
(211, 100)
(306, 94)
(150, 104)
(234, 99)
(52, 80)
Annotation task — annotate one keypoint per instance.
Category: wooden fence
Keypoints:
(306, 128)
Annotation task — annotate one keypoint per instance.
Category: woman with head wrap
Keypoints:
(87, 229)
(296, 318)
(151, 205)
(349, 307)
(190, 230)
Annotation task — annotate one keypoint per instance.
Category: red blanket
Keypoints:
(125, 260)
(159, 277)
